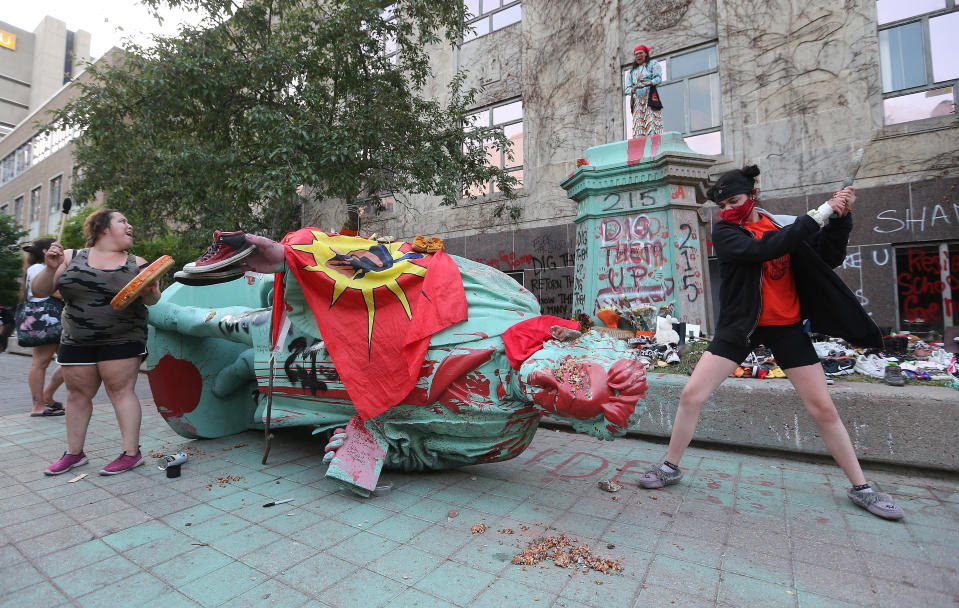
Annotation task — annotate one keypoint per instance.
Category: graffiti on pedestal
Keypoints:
(633, 261)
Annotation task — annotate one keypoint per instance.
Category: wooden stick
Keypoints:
(67, 203)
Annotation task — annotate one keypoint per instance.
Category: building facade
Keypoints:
(793, 86)
(35, 65)
(37, 170)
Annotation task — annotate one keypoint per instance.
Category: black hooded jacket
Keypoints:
(824, 299)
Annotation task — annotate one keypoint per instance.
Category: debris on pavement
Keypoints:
(565, 553)
(609, 485)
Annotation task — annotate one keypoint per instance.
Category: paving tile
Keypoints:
(693, 549)
(189, 566)
(400, 527)
(752, 562)
(131, 591)
(374, 589)
(138, 535)
(737, 590)
(59, 540)
(279, 556)
(842, 557)
(664, 596)
(115, 522)
(316, 574)
(87, 578)
(505, 592)
(10, 555)
(210, 590)
(169, 598)
(414, 597)
(849, 587)
(439, 541)
(597, 589)
(272, 593)
(193, 514)
(40, 593)
(19, 575)
(364, 515)
(218, 527)
(37, 526)
(160, 550)
(325, 533)
(363, 548)
(688, 577)
(895, 595)
(455, 582)
(405, 564)
(813, 600)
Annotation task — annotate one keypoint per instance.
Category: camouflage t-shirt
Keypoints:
(88, 318)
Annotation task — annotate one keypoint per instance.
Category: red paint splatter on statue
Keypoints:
(176, 385)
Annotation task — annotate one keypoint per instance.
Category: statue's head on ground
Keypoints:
(594, 382)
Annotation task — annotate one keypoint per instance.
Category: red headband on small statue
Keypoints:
(643, 48)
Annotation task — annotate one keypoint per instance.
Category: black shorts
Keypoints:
(790, 345)
(79, 354)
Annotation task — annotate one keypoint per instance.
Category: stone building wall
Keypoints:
(800, 91)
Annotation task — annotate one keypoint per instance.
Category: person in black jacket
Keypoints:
(776, 271)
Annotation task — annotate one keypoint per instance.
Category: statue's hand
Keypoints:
(335, 442)
(268, 256)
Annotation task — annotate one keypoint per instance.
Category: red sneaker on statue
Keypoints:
(227, 248)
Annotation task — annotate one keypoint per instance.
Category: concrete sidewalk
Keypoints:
(741, 530)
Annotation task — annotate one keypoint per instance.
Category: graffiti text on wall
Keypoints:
(928, 275)
(888, 221)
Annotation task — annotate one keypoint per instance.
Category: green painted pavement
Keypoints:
(740, 530)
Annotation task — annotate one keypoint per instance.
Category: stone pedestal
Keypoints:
(638, 230)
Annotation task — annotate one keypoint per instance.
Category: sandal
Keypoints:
(48, 412)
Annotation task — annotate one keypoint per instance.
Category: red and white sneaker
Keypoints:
(227, 248)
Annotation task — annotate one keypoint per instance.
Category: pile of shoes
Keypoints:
(219, 263)
(760, 364)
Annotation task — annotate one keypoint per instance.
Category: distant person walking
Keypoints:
(643, 73)
(38, 328)
(775, 271)
(99, 344)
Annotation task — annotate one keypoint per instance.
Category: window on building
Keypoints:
(5, 208)
(35, 204)
(18, 209)
(928, 286)
(509, 118)
(918, 58)
(387, 202)
(56, 190)
(485, 16)
(691, 98)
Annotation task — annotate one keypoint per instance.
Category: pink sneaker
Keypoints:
(122, 463)
(66, 462)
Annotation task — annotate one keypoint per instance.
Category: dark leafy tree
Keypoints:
(216, 127)
(11, 260)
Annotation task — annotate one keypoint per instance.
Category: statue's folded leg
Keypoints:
(235, 375)
(356, 455)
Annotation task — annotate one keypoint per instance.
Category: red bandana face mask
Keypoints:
(738, 215)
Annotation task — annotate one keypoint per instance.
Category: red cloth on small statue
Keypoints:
(376, 306)
(527, 337)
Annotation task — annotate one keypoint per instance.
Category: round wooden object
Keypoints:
(149, 275)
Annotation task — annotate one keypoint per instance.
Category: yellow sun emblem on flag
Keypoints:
(354, 263)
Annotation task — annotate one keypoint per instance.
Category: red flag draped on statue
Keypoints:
(376, 306)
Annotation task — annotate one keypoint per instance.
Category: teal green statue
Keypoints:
(217, 358)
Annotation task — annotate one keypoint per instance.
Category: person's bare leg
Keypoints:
(810, 383)
(83, 382)
(41, 356)
(708, 374)
(119, 380)
(56, 380)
